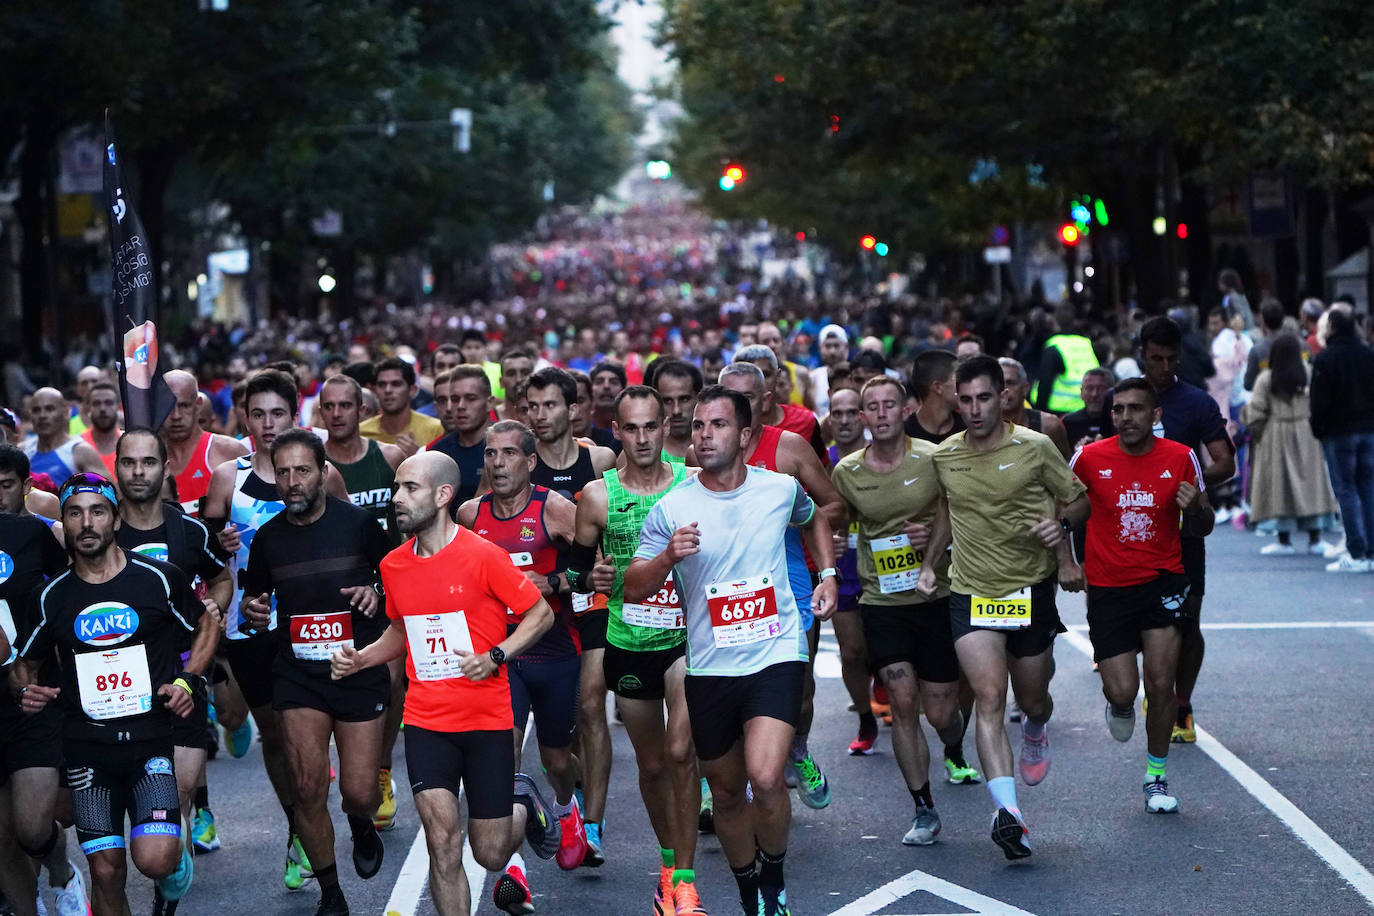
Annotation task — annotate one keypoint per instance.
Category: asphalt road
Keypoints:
(1274, 797)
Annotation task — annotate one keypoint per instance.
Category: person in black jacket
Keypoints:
(1343, 420)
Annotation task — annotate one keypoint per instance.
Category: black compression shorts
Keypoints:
(481, 762)
(918, 634)
(109, 781)
(720, 705)
(550, 689)
(29, 741)
(359, 697)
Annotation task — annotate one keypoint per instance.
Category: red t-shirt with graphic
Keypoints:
(1133, 529)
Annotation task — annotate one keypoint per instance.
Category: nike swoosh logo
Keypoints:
(627, 508)
(907, 483)
(1003, 467)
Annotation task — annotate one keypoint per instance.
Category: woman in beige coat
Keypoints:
(1289, 487)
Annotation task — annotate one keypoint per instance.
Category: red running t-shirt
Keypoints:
(471, 576)
(1133, 529)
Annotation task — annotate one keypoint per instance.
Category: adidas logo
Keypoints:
(1166, 476)
(198, 474)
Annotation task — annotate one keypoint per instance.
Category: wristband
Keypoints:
(577, 580)
(181, 682)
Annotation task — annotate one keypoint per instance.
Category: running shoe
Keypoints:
(541, 827)
(1316, 549)
(240, 740)
(1333, 550)
(1121, 725)
(572, 840)
(368, 852)
(868, 734)
(812, 787)
(174, 886)
(1034, 761)
(663, 893)
(1348, 564)
(1157, 798)
(880, 705)
(925, 826)
(595, 858)
(71, 897)
(297, 865)
(1184, 732)
(706, 816)
(1277, 549)
(204, 836)
(686, 902)
(385, 818)
(332, 903)
(511, 893)
(1010, 834)
(773, 906)
(959, 773)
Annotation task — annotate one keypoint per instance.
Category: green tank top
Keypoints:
(625, 514)
(675, 459)
(369, 481)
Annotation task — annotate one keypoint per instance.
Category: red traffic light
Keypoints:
(735, 173)
(867, 242)
(1182, 230)
(1068, 234)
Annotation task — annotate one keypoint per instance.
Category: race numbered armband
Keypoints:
(660, 611)
(743, 611)
(434, 641)
(897, 563)
(114, 683)
(316, 637)
(1010, 612)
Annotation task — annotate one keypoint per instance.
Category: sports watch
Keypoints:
(829, 572)
(554, 584)
(497, 656)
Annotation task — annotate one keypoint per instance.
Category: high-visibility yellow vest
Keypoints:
(1078, 357)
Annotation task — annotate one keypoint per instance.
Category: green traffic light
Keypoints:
(1100, 212)
(880, 249)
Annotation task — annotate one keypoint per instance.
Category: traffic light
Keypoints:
(735, 173)
(1068, 234)
(727, 183)
(658, 170)
(1181, 230)
(868, 243)
(880, 249)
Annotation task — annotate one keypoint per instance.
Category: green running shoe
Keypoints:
(297, 865)
(812, 786)
(959, 773)
(204, 837)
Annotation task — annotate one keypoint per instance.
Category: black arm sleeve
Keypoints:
(580, 560)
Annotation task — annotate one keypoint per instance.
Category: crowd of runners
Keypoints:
(486, 529)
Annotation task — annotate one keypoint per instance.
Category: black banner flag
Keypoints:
(134, 319)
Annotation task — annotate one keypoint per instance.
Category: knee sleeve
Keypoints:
(41, 852)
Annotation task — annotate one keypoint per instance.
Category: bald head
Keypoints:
(435, 468)
(49, 415)
(182, 383)
(426, 485)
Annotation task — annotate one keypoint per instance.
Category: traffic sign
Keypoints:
(997, 254)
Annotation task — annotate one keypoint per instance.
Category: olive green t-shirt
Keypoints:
(994, 499)
(883, 503)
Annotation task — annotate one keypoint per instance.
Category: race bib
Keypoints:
(434, 641)
(1010, 612)
(661, 611)
(316, 637)
(114, 683)
(582, 602)
(898, 565)
(853, 535)
(743, 611)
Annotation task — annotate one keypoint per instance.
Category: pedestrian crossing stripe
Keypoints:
(879, 900)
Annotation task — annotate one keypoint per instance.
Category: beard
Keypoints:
(417, 519)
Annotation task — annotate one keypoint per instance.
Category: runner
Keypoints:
(463, 397)
(797, 377)
(607, 380)
(397, 424)
(891, 490)
(53, 450)
(315, 565)
(1084, 426)
(101, 405)
(581, 419)
(1189, 416)
(678, 383)
(117, 623)
(458, 711)
(777, 412)
(151, 529)
(516, 367)
(847, 427)
(1139, 487)
(368, 470)
(242, 497)
(834, 346)
(645, 653)
(193, 453)
(1015, 410)
(784, 452)
(1008, 530)
(721, 536)
(30, 746)
(532, 525)
(565, 465)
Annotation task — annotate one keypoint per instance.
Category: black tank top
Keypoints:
(567, 482)
(1034, 420)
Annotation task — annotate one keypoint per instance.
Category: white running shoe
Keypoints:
(1277, 549)
(1157, 798)
(1121, 727)
(71, 897)
(1348, 564)
(1333, 551)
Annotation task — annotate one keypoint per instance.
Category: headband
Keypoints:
(87, 483)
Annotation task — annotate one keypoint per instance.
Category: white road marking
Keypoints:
(1302, 826)
(912, 882)
(1275, 625)
(410, 883)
